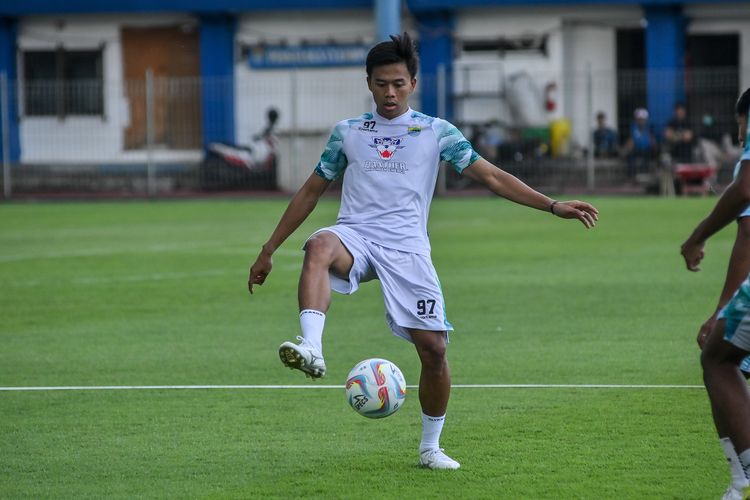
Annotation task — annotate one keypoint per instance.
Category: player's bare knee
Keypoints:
(432, 354)
(319, 250)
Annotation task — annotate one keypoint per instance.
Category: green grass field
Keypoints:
(154, 293)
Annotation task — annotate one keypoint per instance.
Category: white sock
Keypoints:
(431, 429)
(739, 480)
(312, 322)
(745, 461)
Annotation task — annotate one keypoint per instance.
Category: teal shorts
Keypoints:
(737, 316)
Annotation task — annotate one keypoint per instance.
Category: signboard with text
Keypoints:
(307, 56)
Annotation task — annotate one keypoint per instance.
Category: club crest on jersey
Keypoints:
(386, 146)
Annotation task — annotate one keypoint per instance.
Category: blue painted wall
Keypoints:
(435, 49)
(8, 35)
(665, 62)
(217, 33)
(387, 19)
(26, 7)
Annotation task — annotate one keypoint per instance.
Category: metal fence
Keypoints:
(145, 137)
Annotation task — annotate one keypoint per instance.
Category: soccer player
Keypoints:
(725, 336)
(389, 159)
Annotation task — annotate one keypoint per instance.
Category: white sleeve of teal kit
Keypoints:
(333, 161)
(453, 145)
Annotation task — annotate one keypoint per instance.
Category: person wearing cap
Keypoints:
(641, 145)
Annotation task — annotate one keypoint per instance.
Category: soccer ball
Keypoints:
(375, 388)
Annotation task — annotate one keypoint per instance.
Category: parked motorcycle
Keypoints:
(230, 166)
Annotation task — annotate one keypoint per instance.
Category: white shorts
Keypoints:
(737, 316)
(411, 289)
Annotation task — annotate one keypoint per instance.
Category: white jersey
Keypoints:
(390, 168)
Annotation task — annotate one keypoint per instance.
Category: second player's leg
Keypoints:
(727, 388)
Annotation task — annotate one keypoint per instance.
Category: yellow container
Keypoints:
(560, 137)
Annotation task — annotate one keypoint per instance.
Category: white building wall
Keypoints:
(724, 19)
(87, 139)
(579, 40)
(310, 100)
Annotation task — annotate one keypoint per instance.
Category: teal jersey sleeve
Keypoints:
(745, 157)
(453, 145)
(746, 151)
(333, 161)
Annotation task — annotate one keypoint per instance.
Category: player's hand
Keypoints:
(584, 212)
(705, 330)
(693, 254)
(259, 270)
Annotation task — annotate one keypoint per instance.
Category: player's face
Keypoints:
(391, 85)
(742, 126)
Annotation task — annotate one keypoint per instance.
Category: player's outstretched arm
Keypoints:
(302, 204)
(732, 202)
(508, 186)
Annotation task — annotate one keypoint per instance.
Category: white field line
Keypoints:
(187, 246)
(315, 386)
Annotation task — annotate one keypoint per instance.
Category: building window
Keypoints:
(63, 82)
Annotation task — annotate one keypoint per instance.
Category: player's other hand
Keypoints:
(584, 212)
(259, 270)
(693, 254)
(705, 330)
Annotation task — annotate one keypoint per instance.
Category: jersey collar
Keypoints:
(399, 119)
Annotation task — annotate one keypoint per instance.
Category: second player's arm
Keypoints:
(299, 208)
(508, 186)
(732, 202)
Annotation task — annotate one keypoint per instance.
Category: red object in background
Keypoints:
(694, 171)
(694, 177)
(550, 97)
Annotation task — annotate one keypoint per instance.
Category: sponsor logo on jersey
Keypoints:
(386, 146)
(396, 167)
(414, 130)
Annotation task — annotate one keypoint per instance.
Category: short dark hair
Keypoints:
(399, 49)
(743, 103)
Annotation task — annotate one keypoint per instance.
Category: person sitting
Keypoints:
(679, 137)
(605, 138)
(641, 146)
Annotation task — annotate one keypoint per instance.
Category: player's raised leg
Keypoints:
(434, 392)
(324, 254)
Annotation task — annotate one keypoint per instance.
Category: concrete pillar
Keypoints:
(665, 65)
(217, 34)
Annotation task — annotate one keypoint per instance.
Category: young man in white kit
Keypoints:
(725, 337)
(389, 159)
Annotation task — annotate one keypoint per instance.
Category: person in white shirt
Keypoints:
(389, 159)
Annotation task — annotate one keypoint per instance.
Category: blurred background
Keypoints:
(165, 98)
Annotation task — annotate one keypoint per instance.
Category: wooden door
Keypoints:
(172, 55)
